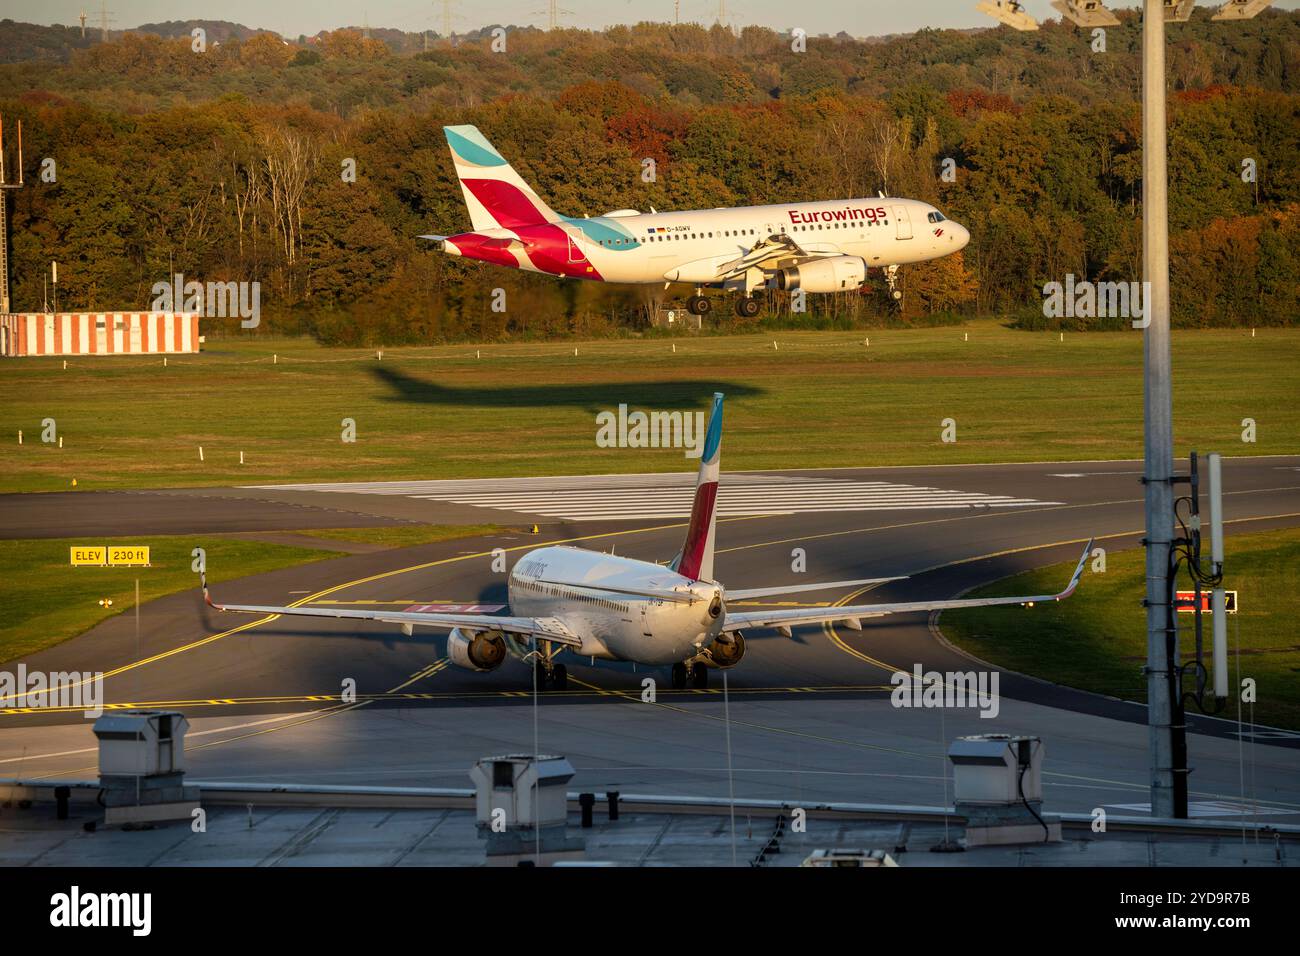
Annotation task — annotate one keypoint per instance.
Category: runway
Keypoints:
(635, 497)
(810, 714)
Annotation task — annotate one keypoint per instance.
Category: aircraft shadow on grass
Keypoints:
(591, 396)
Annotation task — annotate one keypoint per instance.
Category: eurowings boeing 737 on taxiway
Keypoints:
(610, 608)
(814, 246)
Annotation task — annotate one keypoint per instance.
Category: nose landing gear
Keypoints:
(891, 278)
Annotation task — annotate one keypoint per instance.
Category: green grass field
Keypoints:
(44, 600)
(1097, 639)
(819, 399)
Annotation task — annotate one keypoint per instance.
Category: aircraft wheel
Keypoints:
(679, 676)
(700, 676)
(699, 305)
(560, 677)
(541, 675)
(748, 307)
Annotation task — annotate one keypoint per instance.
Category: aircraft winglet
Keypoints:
(1078, 571)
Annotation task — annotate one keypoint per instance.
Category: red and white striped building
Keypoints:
(98, 333)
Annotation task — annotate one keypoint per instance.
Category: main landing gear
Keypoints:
(699, 305)
(746, 306)
(697, 675)
(550, 675)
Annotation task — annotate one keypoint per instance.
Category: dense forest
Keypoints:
(145, 157)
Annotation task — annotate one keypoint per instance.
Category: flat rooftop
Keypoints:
(333, 833)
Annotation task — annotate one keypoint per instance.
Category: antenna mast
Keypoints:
(5, 186)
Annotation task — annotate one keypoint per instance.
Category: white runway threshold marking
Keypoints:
(614, 497)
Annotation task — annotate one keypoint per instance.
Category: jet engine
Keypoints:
(832, 274)
(728, 655)
(476, 650)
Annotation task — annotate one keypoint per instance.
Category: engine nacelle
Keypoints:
(476, 650)
(833, 274)
(728, 655)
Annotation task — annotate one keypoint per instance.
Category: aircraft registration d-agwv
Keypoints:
(610, 608)
(814, 246)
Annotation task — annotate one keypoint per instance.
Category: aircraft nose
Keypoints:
(961, 235)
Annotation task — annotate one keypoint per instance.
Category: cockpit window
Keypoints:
(936, 217)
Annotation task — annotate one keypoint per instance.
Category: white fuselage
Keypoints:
(566, 583)
(633, 247)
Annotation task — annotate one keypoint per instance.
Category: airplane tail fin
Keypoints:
(696, 558)
(495, 194)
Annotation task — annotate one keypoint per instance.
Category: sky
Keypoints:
(859, 18)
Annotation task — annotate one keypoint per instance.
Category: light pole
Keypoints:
(1166, 730)
(1167, 733)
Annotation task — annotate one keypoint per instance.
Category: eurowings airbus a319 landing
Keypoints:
(818, 247)
(609, 608)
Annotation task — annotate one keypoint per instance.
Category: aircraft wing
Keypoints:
(772, 247)
(747, 593)
(789, 617)
(779, 246)
(546, 628)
